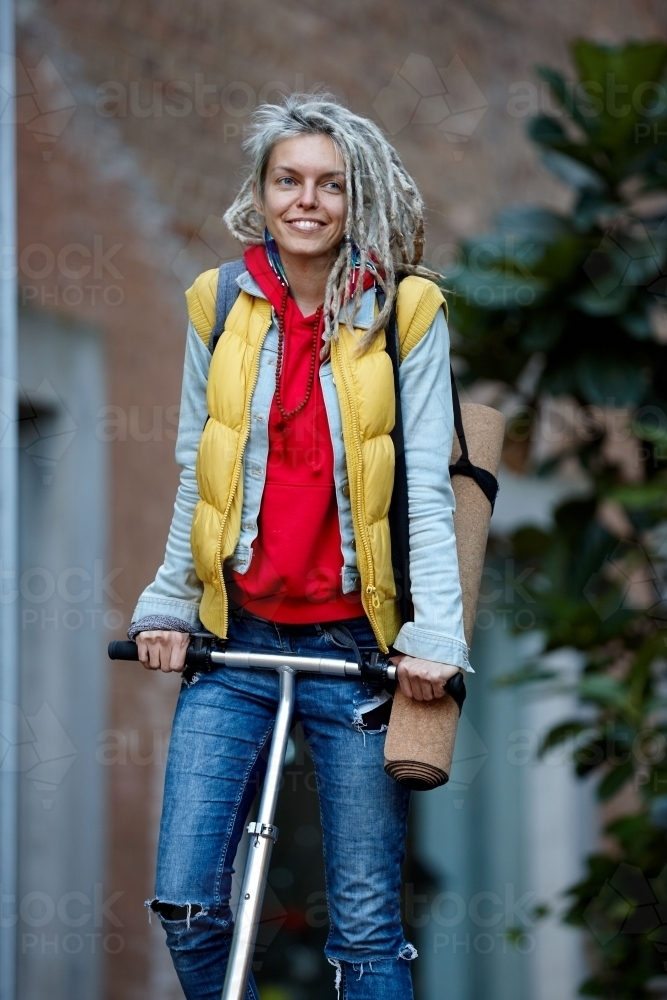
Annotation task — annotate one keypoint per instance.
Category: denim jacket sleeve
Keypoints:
(176, 591)
(428, 424)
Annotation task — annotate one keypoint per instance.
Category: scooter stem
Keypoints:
(263, 834)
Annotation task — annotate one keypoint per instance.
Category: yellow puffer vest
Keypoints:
(365, 388)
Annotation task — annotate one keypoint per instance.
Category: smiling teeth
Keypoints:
(303, 224)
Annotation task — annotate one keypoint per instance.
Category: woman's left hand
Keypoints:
(420, 679)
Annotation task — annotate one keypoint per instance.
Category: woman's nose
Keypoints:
(308, 196)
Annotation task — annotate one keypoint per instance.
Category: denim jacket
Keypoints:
(437, 630)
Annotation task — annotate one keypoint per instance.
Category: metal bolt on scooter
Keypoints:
(205, 653)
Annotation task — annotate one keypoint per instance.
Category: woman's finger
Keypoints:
(154, 654)
(403, 679)
(416, 685)
(142, 650)
(179, 648)
(426, 690)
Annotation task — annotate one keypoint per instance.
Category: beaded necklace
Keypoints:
(288, 414)
(273, 256)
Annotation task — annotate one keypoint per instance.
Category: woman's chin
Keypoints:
(305, 247)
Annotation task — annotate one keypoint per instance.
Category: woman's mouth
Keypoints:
(305, 225)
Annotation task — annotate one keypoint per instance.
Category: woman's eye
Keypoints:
(286, 180)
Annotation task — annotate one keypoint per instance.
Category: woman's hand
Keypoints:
(420, 679)
(162, 650)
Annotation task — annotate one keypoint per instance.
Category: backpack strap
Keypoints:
(399, 514)
(211, 298)
(399, 521)
(226, 295)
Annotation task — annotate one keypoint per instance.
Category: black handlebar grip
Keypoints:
(123, 649)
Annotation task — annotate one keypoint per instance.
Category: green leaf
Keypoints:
(561, 259)
(619, 77)
(609, 381)
(567, 96)
(637, 325)
(614, 780)
(562, 733)
(528, 674)
(603, 690)
(641, 496)
(599, 302)
(529, 542)
(572, 171)
(547, 131)
(531, 223)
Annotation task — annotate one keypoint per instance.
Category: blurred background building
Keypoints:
(129, 124)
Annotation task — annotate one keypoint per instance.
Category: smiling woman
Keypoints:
(280, 538)
(304, 204)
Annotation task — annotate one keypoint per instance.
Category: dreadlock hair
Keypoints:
(385, 213)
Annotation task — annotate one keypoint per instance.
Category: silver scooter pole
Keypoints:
(202, 655)
(263, 835)
(263, 832)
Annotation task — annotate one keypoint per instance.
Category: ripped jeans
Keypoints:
(222, 722)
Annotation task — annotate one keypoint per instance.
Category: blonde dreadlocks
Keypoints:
(385, 214)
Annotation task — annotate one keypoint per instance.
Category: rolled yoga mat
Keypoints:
(419, 746)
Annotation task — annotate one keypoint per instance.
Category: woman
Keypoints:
(280, 530)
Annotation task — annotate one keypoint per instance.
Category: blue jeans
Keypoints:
(223, 721)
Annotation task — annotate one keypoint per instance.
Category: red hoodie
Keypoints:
(295, 572)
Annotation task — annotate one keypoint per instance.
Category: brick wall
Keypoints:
(145, 156)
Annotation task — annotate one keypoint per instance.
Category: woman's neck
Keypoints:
(307, 278)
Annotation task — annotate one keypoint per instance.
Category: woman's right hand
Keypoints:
(162, 650)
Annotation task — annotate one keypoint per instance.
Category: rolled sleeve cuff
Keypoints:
(186, 611)
(427, 645)
(161, 622)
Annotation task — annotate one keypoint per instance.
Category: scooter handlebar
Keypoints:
(202, 655)
(123, 649)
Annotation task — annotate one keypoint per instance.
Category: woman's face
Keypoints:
(305, 201)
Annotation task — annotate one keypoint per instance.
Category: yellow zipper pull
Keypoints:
(372, 592)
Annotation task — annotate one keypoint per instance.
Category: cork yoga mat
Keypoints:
(420, 738)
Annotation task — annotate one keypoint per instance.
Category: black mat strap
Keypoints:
(486, 481)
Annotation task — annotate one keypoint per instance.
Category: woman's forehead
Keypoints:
(309, 150)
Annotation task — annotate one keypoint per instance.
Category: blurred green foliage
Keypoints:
(571, 308)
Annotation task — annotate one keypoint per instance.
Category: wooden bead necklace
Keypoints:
(288, 414)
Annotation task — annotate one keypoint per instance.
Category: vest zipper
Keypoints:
(373, 600)
(254, 374)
